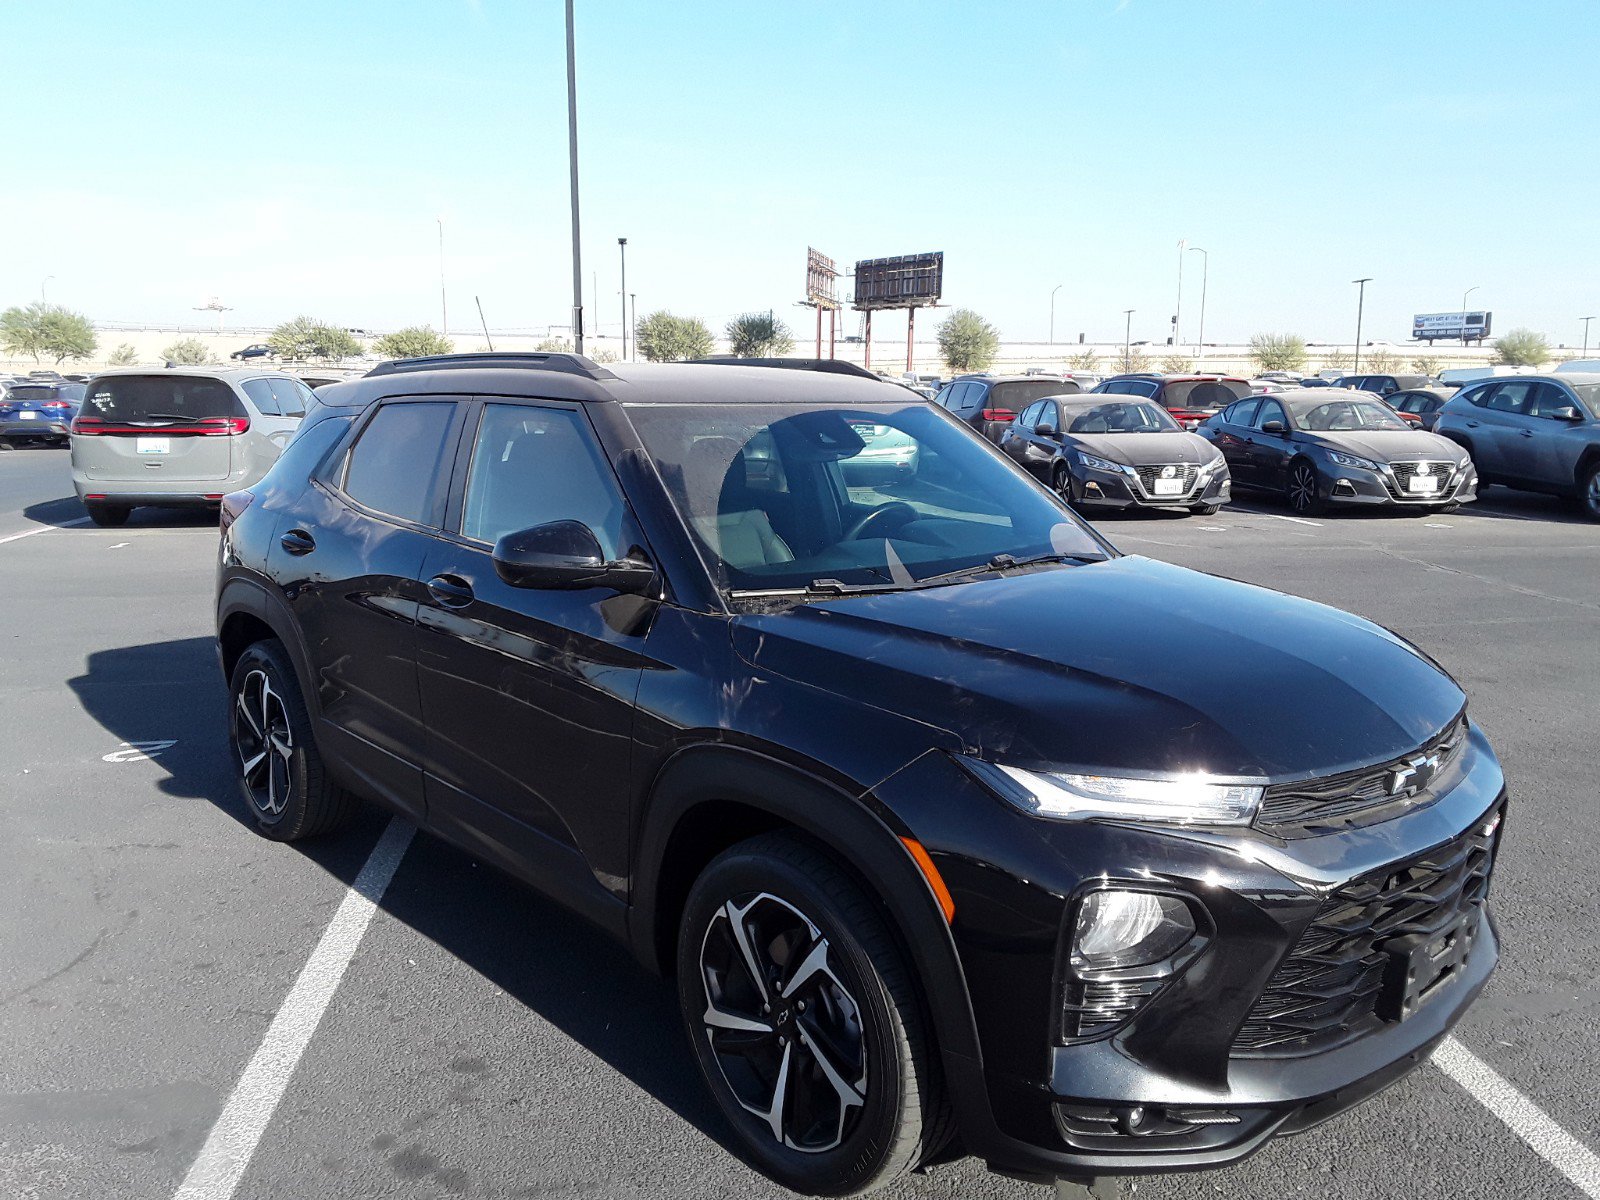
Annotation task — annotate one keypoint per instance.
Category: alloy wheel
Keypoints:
(782, 1026)
(265, 743)
(1302, 488)
(1591, 495)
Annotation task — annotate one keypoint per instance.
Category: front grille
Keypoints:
(1182, 471)
(1331, 988)
(1401, 473)
(1355, 798)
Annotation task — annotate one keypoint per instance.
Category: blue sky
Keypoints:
(293, 156)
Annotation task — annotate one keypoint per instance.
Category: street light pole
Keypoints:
(622, 247)
(633, 325)
(1205, 275)
(43, 299)
(444, 309)
(1586, 321)
(1464, 296)
(1127, 340)
(1053, 292)
(572, 155)
(1177, 311)
(1361, 303)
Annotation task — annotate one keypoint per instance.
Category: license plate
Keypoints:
(1423, 485)
(1420, 964)
(155, 445)
(1169, 487)
(27, 415)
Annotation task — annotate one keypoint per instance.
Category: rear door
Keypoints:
(158, 429)
(281, 401)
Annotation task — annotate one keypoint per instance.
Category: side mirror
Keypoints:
(1044, 430)
(566, 556)
(1274, 427)
(1567, 413)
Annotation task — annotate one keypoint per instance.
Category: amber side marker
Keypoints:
(930, 872)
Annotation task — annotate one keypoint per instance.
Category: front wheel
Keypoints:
(806, 1022)
(1304, 489)
(280, 772)
(1061, 482)
(1589, 498)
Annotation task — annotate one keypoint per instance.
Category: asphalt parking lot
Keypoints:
(484, 1043)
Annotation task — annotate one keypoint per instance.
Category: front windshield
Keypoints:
(1348, 415)
(1122, 416)
(779, 496)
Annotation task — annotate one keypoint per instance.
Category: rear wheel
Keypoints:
(1304, 488)
(806, 1022)
(282, 776)
(7, 444)
(108, 514)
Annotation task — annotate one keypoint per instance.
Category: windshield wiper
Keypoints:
(1001, 563)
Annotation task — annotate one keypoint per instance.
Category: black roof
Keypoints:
(574, 377)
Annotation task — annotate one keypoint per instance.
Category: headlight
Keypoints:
(1176, 799)
(1095, 463)
(1215, 465)
(1117, 929)
(1352, 460)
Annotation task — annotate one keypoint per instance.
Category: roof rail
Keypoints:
(567, 364)
(828, 366)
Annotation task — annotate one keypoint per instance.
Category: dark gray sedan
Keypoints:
(1117, 452)
(1318, 447)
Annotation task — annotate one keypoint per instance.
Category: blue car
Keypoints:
(38, 412)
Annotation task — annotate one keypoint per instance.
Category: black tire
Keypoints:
(1303, 488)
(1589, 493)
(281, 775)
(1206, 510)
(108, 515)
(7, 444)
(1061, 482)
(794, 903)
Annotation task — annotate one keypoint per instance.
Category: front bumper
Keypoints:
(1358, 486)
(1051, 1105)
(1115, 490)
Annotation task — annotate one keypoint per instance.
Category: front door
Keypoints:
(529, 693)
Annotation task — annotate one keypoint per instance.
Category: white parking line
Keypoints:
(1296, 520)
(1522, 1116)
(17, 537)
(233, 1139)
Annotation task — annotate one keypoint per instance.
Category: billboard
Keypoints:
(822, 287)
(1467, 326)
(905, 281)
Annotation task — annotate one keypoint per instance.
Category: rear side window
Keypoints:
(1019, 395)
(279, 397)
(396, 461)
(160, 398)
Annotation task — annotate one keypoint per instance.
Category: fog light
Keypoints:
(1117, 929)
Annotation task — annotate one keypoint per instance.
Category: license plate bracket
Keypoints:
(1420, 964)
(1423, 485)
(154, 445)
(1168, 487)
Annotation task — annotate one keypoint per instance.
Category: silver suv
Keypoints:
(180, 437)
(1539, 433)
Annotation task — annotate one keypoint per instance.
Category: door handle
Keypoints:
(297, 542)
(1525, 432)
(452, 591)
(1470, 424)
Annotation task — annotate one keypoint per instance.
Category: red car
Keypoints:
(1189, 398)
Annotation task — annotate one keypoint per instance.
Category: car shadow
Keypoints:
(559, 966)
(69, 510)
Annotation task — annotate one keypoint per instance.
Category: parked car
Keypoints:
(1420, 406)
(989, 403)
(1189, 398)
(37, 411)
(258, 350)
(1318, 447)
(1538, 433)
(1097, 451)
(1578, 366)
(1262, 387)
(179, 437)
(949, 820)
(1386, 385)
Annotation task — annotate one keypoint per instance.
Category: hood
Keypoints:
(1129, 664)
(1142, 449)
(1387, 447)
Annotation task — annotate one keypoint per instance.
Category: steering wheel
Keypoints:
(897, 510)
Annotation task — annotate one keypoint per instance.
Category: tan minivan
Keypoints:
(180, 437)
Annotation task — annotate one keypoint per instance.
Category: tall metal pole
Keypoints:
(1177, 311)
(1053, 292)
(622, 247)
(911, 336)
(1586, 321)
(572, 150)
(1361, 303)
(1127, 340)
(1205, 277)
(1464, 296)
(444, 309)
(633, 325)
(43, 299)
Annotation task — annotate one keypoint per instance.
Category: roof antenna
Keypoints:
(485, 325)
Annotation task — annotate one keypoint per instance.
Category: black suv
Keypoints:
(951, 821)
(989, 403)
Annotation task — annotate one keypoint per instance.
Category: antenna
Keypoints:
(214, 304)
